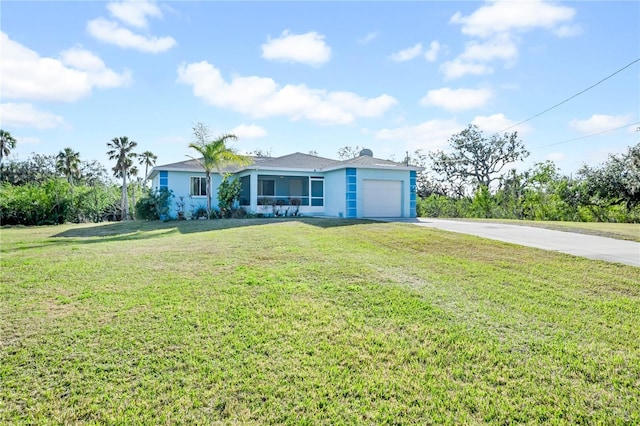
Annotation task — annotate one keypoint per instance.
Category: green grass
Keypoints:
(621, 231)
(309, 322)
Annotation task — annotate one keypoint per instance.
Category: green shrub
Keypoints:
(154, 205)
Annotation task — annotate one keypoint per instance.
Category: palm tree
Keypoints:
(147, 159)
(121, 150)
(68, 163)
(215, 155)
(133, 172)
(7, 143)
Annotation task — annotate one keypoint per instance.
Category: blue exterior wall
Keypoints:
(180, 184)
(164, 180)
(342, 197)
(351, 193)
(412, 194)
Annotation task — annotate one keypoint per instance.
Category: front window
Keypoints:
(198, 186)
(317, 192)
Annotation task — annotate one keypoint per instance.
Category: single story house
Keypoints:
(359, 187)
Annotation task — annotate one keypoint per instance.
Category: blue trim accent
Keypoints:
(351, 193)
(164, 179)
(412, 193)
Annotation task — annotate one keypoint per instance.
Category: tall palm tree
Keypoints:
(215, 155)
(133, 172)
(147, 159)
(7, 143)
(68, 163)
(121, 150)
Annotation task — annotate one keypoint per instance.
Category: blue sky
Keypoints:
(302, 76)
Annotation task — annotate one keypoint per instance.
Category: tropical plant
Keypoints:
(121, 150)
(147, 159)
(215, 155)
(154, 205)
(68, 164)
(228, 194)
(7, 143)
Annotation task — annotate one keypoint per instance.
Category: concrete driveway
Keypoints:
(589, 246)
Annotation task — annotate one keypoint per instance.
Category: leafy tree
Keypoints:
(260, 153)
(121, 150)
(347, 152)
(228, 194)
(616, 182)
(7, 143)
(154, 205)
(476, 160)
(68, 164)
(93, 173)
(38, 168)
(36, 204)
(215, 155)
(147, 159)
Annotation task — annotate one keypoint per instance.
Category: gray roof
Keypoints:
(294, 162)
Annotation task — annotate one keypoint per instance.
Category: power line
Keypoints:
(589, 135)
(568, 99)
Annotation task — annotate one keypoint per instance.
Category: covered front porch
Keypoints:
(282, 194)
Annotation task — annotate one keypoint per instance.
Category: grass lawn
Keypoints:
(309, 322)
(621, 231)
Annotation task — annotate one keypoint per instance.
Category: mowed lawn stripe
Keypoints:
(309, 321)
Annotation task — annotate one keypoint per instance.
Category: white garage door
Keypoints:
(381, 198)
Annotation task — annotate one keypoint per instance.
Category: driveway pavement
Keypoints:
(589, 246)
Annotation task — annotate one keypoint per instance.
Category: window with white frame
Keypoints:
(198, 186)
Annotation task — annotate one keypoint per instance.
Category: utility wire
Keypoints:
(568, 99)
(589, 135)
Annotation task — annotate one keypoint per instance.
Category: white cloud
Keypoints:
(458, 99)
(501, 46)
(112, 33)
(368, 38)
(407, 54)
(251, 131)
(308, 48)
(501, 16)
(498, 23)
(431, 55)
(428, 136)
(26, 75)
(565, 31)
(262, 97)
(26, 115)
(477, 54)
(458, 68)
(497, 123)
(600, 123)
(134, 13)
(98, 74)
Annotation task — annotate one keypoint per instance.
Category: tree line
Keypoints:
(475, 177)
(53, 189)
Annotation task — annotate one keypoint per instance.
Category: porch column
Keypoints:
(253, 191)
